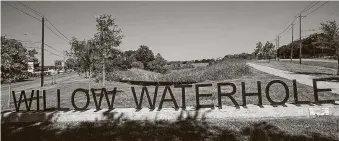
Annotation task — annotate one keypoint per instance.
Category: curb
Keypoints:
(227, 112)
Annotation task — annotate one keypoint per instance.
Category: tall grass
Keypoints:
(227, 69)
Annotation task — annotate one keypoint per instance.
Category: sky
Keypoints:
(176, 30)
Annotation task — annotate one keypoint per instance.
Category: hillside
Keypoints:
(313, 46)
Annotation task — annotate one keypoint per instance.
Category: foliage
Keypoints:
(13, 59)
(227, 69)
(331, 30)
(158, 64)
(258, 52)
(268, 50)
(108, 35)
(58, 64)
(137, 64)
(144, 55)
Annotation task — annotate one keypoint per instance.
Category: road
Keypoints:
(301, 78)
(31, 83)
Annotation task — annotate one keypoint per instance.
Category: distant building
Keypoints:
(33, 63)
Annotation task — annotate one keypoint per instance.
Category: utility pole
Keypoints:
(292, 43)
(277, 49)
(276, 44)
(42, 53)
(300, 43)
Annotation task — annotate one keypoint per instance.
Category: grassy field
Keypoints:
(230, 69)
(124, 97)
(333, 65)
(297, 129)
(304, 68)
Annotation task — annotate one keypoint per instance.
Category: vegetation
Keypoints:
(14, 60)
(264, 52)
(317, 45)
(227, 69)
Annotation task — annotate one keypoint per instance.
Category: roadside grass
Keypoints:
(124, 97)
(229, 69)
(302, 129)
(308, 69)
(333, 65)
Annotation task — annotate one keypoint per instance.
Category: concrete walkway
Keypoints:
(301, 78)
(227, 112)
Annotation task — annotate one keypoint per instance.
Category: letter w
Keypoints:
(104, 92)
(143, 91)
(17, 104)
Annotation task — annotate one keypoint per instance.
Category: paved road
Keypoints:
(32, 83)
(35, 82)
(301, 78)
(314, 60)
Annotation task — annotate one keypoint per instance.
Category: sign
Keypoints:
(91, 95)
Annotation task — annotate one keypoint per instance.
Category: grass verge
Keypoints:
(310, 129)
(309, 69)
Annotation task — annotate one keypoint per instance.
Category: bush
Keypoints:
(137, 64)
(227, 69)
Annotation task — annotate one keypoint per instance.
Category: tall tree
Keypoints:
(79, 51)
(268, 50)
(331, 30)
(13, 59)
(144, 55)
(58, 64)
(108, 36)
(258, 50)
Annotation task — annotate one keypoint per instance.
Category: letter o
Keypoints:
(268, 92)
(87, 101)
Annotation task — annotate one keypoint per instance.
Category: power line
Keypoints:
(40, 21)
(52, 53)
(57, 29)
(41, 15)
(52, 48)
(36, 12)
(309, 7)
(335, 12)
(55, 33)
(317, 8)
(22, 11)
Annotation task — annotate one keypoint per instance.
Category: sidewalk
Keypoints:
(227, 112)
(301, 78)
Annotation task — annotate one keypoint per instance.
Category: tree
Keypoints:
(331, 30)
(13, 59)
(80, 52)
(258, 50)
(108, 36)
(268, 50)
(58, 64)
(70, 63)
(158, 64)
(144, 55)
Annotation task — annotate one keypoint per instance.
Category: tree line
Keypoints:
(317, 45)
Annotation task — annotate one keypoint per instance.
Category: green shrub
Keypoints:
(227, 69)
(137, 64)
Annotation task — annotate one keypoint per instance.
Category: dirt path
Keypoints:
(301, 78)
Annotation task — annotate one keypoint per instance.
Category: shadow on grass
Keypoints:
(183, 129)
(314, 73)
